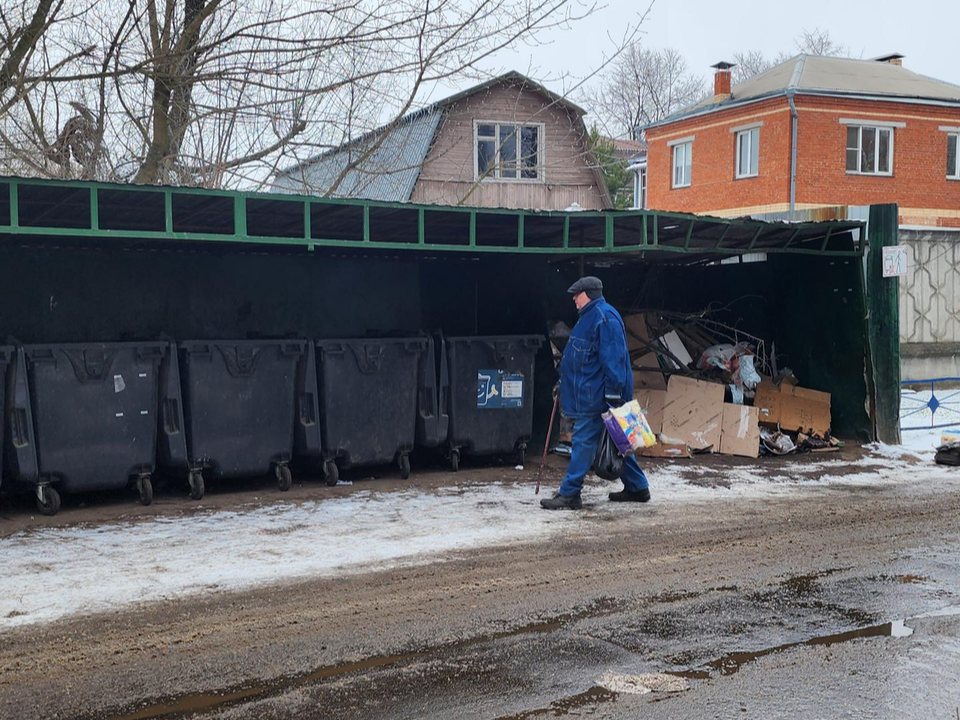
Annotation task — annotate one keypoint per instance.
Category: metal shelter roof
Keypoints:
(136, 214)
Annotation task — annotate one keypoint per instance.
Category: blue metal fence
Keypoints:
(943, 408)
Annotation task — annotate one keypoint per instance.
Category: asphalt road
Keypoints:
(767, 607)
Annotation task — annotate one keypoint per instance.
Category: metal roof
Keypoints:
(59, 211)
(389, 173)
(817, 75)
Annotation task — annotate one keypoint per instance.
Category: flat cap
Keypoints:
(586, 284)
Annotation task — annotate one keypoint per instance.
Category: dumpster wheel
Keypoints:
(196, 484)
(48, 500)
(521, 454)
(455, 460)
(284, 477)
(145, 488)
(331, 473)
(404, 466)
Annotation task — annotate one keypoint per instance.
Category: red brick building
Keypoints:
(813, 132)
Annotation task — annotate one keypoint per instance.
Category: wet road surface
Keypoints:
(832, 602)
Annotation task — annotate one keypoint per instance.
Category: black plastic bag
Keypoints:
(607, 462)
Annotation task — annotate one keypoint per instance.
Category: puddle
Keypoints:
(732, 663)
(569, 705)
(199, 702)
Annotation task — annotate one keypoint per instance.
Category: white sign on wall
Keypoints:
(895, 261)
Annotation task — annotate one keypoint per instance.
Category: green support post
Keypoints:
(94, 209)
(14, 205)
(240, 216)
(420, 231)
(520, 230)
(608, 232)
(883, 324)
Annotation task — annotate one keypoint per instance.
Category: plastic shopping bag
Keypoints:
(607, 462)
(628, 428)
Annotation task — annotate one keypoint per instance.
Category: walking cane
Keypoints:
(546, 443)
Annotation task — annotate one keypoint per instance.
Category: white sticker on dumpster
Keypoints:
(118, 384)
(512, 389)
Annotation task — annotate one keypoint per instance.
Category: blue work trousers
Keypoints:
(587, 432)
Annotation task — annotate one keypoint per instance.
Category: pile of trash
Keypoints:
(706, 387)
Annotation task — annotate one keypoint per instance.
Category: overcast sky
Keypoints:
(927, 32)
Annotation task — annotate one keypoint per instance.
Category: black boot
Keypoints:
(627, 496)
(562, 502)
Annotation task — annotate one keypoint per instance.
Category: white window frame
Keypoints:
(752, 136)
(685, 146)
(640, 188)
(953, 133)
(495, 175)
(877, 128)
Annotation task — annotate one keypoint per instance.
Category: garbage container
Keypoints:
(491, 394)
(6, 360)
(84, 417)
(239, 412)
(368, 401)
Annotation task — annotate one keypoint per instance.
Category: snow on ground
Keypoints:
(51, 573)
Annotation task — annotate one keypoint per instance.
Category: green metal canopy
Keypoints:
(146, 214)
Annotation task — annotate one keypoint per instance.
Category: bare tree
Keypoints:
(216, 92)
(809, 42)
(643, 86)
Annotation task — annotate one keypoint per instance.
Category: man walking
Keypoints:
(595, 374)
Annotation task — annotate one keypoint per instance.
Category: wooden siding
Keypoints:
(447, 176)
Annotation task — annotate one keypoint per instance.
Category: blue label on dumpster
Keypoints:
(497, 389)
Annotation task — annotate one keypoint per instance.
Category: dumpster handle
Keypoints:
(291, 348)
(171, 416)
(151, 352)
(204, 352)
(332, 349)
(20, 428)
(44, 355)
(307, 416)
(89, 366)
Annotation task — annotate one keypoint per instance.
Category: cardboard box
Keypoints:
(767, 403)
(740, 433)
(666, 450)
(803, 409)
(636, 325)
(693, 412)
(652, 402)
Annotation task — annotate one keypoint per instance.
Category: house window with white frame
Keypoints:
(953, 156)
(748, 153)
(509, 151)
(869, 150)
(640, 187)
(682, 161)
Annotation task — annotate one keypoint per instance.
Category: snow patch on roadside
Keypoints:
(51, 573)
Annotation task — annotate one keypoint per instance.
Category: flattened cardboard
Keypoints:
(804, 409)
(666, 450)
(740, 433)
(693, 412)
(636, 326)
(767, 403)
(652, 402)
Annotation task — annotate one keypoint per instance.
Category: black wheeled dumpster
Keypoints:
(491, 394)
(368, 401)
(241, 409)
(84, 417)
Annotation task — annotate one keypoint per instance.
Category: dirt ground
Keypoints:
(701, 588)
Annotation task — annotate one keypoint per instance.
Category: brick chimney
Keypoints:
(892, 58)
(722, 81)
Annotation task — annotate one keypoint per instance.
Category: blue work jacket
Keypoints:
(596, 363)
